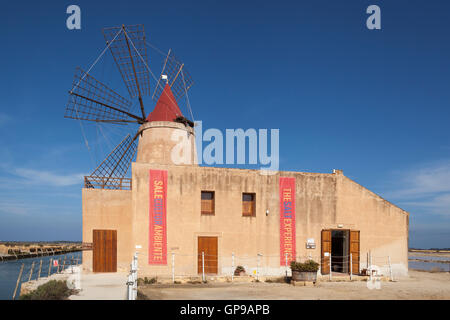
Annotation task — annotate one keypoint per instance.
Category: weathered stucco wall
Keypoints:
(383, 226)
(108, 210)
(323, 201)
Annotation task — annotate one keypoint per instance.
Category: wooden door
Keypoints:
(104, 251)
(354, 250)
(207, 245)
(326, 251)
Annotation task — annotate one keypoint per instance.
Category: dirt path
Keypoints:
(419, 285)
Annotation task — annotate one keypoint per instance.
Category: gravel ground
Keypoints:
(419, 285)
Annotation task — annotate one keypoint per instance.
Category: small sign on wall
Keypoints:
(310, 243)
(326, 254)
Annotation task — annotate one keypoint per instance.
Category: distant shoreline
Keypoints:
(21, 250)
(445, 250)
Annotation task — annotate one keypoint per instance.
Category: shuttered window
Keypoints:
(208, 202)
(248, 205)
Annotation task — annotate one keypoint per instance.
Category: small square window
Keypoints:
(248, 205)
(207, 205)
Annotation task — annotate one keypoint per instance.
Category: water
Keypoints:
(437, 258)
(9, 271)
(428, 266)
(439, 262)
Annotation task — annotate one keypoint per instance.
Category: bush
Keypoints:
(52, 290)
(238, 270)
(307, 266)
(141, 296)
(146, 281)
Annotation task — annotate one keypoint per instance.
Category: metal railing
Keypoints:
(60, 264)
(132, 279)
(92, 182)
(261, 266)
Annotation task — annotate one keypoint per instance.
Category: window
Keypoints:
(208, 202)
(248, 205)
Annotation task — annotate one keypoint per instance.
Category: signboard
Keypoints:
(310, 244)
(55, 263)
(287, 220)
(157, 245)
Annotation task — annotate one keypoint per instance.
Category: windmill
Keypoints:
(91, 100)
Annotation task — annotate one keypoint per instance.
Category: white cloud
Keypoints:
(426, 187)
(48, 178)
(14, 209)
(426, 180)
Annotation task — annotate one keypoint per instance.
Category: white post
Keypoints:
(390, 269)
(134, 276)
(257, 266)
(203, 266)
(285, 258)
(351, 267)
(130, 286)
(173, 267)
(330, 267)
(367, 258)
(232, 266)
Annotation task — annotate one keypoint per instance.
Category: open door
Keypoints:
(326, 251)
(354, 250)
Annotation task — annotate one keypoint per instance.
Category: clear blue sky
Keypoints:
(373, 103)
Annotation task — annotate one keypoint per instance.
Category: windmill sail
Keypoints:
(92, 100)
(178, 78)
(130, 54)
(110, 174)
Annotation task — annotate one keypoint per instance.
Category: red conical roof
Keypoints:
(166, 108)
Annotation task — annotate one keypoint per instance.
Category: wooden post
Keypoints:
(31, 271)
(18, 281)
(39, 273)
(50, 267)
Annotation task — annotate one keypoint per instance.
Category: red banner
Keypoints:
(157, 245)
(287, 220)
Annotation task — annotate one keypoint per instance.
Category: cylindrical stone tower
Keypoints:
(164, 140)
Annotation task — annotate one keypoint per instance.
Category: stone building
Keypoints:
(263, 221)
